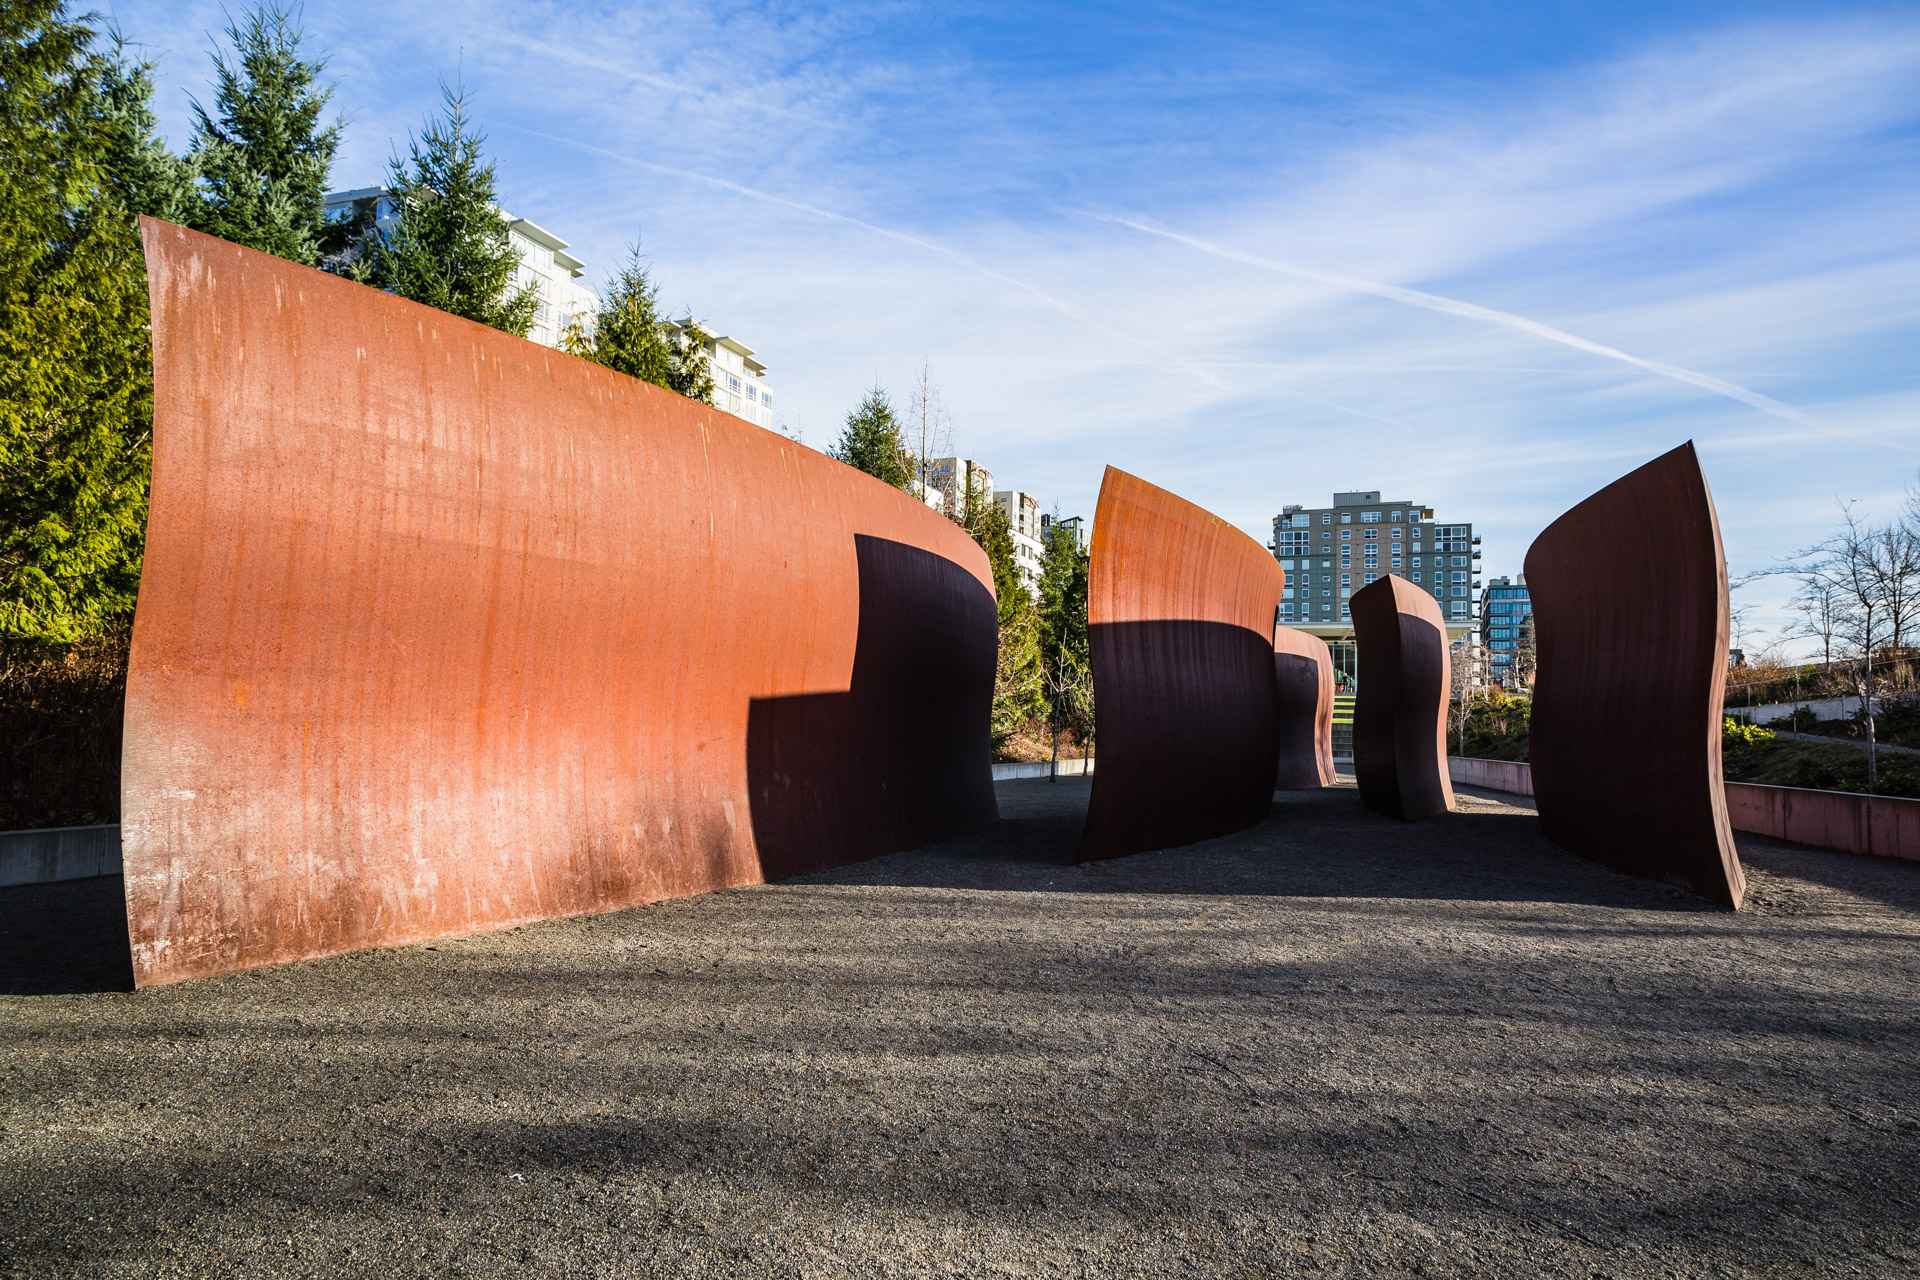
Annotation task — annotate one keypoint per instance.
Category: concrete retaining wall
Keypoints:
(1495, 775)
(1886, 826)
(1021, 769)
(1769, 712)
(58, 853)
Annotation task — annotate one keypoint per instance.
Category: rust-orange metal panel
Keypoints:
(1303, 707)
(1400, 709)
(441, 630)
(1631, 625)
(1181, 609)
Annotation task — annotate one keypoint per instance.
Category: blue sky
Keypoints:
(1488, 256)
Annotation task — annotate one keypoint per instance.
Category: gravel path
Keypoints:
(1333, 1045)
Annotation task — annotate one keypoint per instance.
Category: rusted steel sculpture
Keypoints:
(1180, 607)
(1303, 709)
(441, 631)
(1630, 623)
(1400, 709)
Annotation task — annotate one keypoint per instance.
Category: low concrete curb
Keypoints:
(1842, 821)
(1006, 770)
(58, 853)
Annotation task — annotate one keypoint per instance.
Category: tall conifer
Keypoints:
(76, 396)
(872, 442)
(262, 153)
(629, 336)
(146, 177)
(449, 245)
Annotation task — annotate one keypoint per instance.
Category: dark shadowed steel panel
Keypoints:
(1303, 689)
(1180, 611)
(1400, 708)
(1630, 623)
(441, 630)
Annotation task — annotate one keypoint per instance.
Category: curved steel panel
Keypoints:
(1630, 619)
(442, 631)
(1180, 607)
(1400, 707)
(1303, 709)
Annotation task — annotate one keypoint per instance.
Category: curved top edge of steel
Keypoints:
(1306, 644)
(1407, 598)
(173, 248)
(1226, 575)
(1683, 456)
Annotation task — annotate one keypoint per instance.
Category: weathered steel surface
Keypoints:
(1181, 608)
(1400, 709)
(1630, 619)
(1303, 709)
(441, 631)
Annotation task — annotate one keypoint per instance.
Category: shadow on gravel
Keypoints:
(1313, 844)
(66, 938)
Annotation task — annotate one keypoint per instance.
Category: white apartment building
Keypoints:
(1023, 515)
(953, 477)
(739, 381)
(544, 261)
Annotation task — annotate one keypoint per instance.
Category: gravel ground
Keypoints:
(1332, 1045)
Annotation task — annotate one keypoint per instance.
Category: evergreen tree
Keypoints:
(872, 442)
(76, 395)
(1064, 566)
(1065, 658)
(628, 336)
(147, 178)
(265, 158)
(449, 246)
(1019, 685)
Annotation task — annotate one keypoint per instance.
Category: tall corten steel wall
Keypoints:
(441, 631)
(1180, 607)
(1630, 623)
(1400, 708)
(1303, 709)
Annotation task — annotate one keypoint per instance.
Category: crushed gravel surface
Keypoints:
(1332, 1045)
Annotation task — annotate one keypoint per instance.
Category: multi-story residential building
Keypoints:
(954, 477)
(1331, 552)
(739, 381)
(1023, 515)
(1081, 530)
(1506, 624)
(545, 263)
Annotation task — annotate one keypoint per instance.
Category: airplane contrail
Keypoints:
(768, 197)
(1453, 306)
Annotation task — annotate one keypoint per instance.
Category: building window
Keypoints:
(1396, 535)
(1395, 517)
(1343, 610)
(1326, 517)
(1416, 559)
(1324, 595)
(1346, 535)
(1369, 517)
(1372, 577)
(1459, 561)
(1416, 573)
(1346, 517)
(1371, 535)
(1459, 591)
(1459, 577)
(1345, 579)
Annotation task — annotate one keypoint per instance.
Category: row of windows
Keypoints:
(1302, 519)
